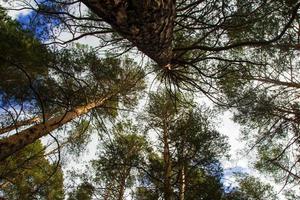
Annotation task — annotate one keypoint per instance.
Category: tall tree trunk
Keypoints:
(148, 24)
(16, 142)
(182, 183)
(167, 165)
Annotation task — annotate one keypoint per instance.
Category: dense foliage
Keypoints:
(60, 98)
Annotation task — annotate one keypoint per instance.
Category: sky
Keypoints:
(238, 161)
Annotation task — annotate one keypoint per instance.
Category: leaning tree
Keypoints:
(42, 90)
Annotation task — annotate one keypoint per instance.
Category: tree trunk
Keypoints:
(182, 164)
(148, 24)
(19, 124)
(182, 183)
(108, 191)
(167, 166)
(276, 82)
(121, 190)
(124, 177)
(16, 142)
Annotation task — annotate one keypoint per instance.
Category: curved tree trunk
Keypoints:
(16, 142)
(148, 24)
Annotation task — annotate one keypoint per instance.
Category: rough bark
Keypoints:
(148, 24)
(16, 142)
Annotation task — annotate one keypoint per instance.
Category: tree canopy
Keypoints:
(60, 97)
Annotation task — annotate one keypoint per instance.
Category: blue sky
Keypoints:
(40, 25)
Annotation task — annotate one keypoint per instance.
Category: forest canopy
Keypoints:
(142, 84)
